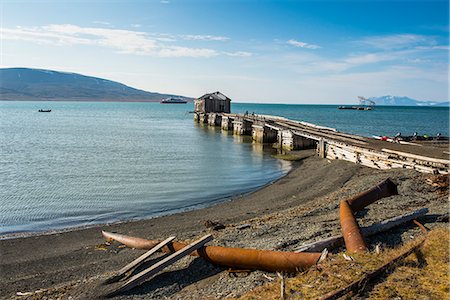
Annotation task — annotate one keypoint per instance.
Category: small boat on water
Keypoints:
(44, 110)
(364, 104)
(174, 100)
(356, 107)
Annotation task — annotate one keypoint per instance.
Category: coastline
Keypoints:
(213, 202)
(298, 208)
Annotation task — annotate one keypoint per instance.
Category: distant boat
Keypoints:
(173, 100)
(356, 107)
(44, 110)
(364, 104)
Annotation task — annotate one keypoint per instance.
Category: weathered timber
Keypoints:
(242, 127)
(338, 240)
(227, 123)
(160, 265)
(263, 134)
(138, 261)
(331, 144)
(214, 119)
(202, 118)
(444, 162)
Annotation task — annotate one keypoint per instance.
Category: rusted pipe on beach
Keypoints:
(385, 188)
(238, 258)
(360, 284)
(354, 241)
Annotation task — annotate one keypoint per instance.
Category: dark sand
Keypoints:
(298, 208)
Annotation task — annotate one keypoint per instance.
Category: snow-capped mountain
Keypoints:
(405, 101)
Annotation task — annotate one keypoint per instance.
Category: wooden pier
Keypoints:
(331, 144)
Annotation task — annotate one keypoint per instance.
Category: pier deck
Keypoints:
(423, 156)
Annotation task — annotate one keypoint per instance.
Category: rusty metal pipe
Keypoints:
(354, 241)
(385, 188)
(360, 284)
(231, 257)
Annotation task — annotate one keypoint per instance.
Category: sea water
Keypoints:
(88, 163)
(382, 120)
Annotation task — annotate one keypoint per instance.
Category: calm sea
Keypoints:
(92, 163)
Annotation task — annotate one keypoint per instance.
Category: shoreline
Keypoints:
(298, 208)
(217, 201)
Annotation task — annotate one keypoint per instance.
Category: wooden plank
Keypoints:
(368, 152)
(337, 240)
(420, 157)
(159, 266)
(138, 261)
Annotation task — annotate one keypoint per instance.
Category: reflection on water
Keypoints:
(90, 163)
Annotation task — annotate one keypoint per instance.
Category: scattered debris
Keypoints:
(159, 266)
(378, 248)
(239, 258)
(358, 284)
(336, 241)
(282, 286)
(102, 247)
(243, 226)
(348, 257)
(324, 255)
(213, 225)
(138, 261)
(246, 260)
(268, 277)
(440, 182)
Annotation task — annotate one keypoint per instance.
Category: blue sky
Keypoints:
(253, 51)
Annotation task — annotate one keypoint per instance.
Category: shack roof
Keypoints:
(214, 96)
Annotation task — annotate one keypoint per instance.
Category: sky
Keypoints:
(305, 52)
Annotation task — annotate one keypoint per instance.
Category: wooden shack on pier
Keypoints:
(212, 103)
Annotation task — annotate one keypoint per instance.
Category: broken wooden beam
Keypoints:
(138, 261)
(445, 162)
(160, 265)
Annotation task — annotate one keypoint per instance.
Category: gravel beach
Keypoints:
(301, 207)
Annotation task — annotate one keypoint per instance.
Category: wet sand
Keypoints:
(298, 208)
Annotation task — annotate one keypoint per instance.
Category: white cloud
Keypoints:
(204, 38)
(102, 23)
(369, 58)
(187, 52)
(397, 41)
(238, 54)
(122, 41)
(433, 47)
(303, 44)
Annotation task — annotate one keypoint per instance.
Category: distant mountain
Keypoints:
(405, 101)
(47, 85)
(443, 103)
